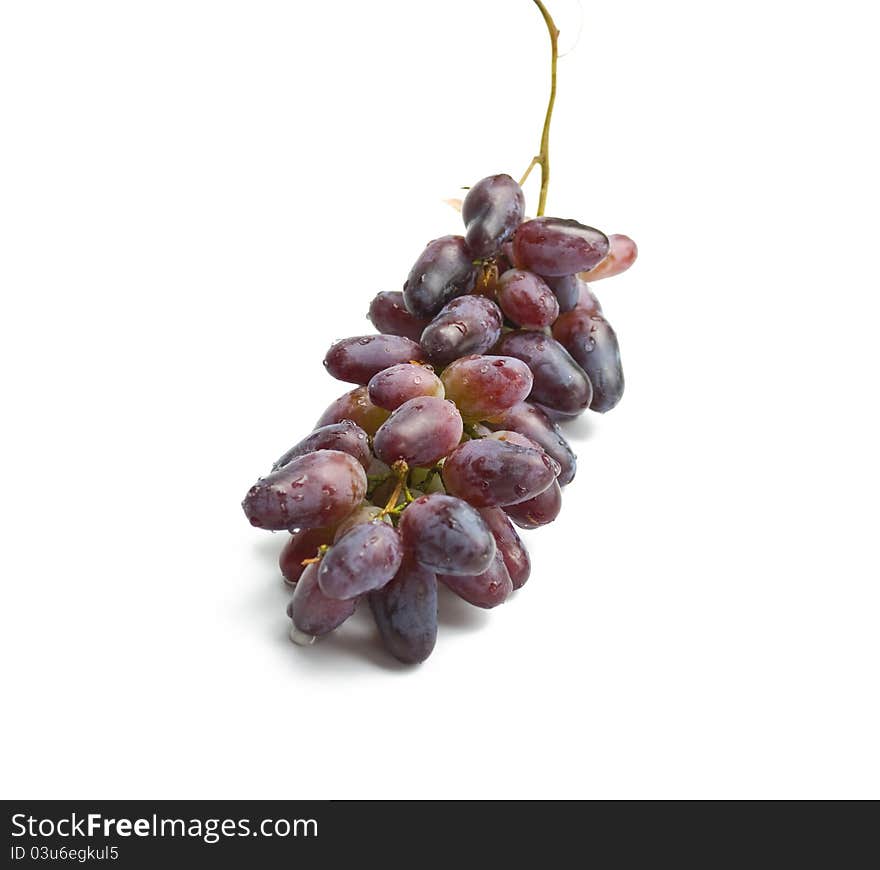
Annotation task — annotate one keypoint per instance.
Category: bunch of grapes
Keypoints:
(449, 440)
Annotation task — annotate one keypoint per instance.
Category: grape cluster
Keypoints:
(449, 438)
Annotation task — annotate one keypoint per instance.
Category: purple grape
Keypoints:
(389, 315)
(357, 359)
(621, 255)
(492, 210)
(592, 342)
(488, 589)
(357, 407)
(319, 489)
(405, 610)
(526, 299)
(508, 542)
(559, 382)
(445, 534)
(531, 421)
(467, 325)
(537, 511)
(420, 432)
(398, 384)
(489, 473)
(567, 290)
(302, 544)
(312, 612)
(444, 270)
(485, 386)
(555, 246)
(363, 559)
(346, 437)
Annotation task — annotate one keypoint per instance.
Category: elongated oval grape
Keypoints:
(363, 559)
(420, 432)
(405, 610)
(556, 246)
(531, 421)
(357, 407)
(366, 513)
(492, 210)
(467, 325)
(489, 473)
(312, 612)
(319, 489)
(302, 544)
(389, 315)
(567, 289)
(357, 359)
(392, 387)
(592, 342)
(508, 543)
(484, 386)
(444, 270)
(537, 511)
(488, 589)
(526, 299)
(447, 535)
(346, 436)
(559, 382)
(621, 255)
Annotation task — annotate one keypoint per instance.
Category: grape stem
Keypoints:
(318, 556)
(543, 157)
(401, 470)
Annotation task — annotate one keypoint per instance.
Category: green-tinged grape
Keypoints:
(484, 386)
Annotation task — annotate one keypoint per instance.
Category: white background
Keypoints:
(197, 197)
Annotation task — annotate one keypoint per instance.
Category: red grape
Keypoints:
(484, 386)
(467, 325)
(345, 436)
(357, 359)
(486, 472)
(537, 511)
(492, 210)
(513, 551)
(559, 382)
(394, 386)
(302, 544)
(363, 559)
(555, 246)
(526, 299)
(312, 612)
(315, 490)
(420, 432)
(621, 255)
(488, 589)
(389, 315)
(447, 535)
(529, 420)
(444, 270)
(355, 406)
(592, 342)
